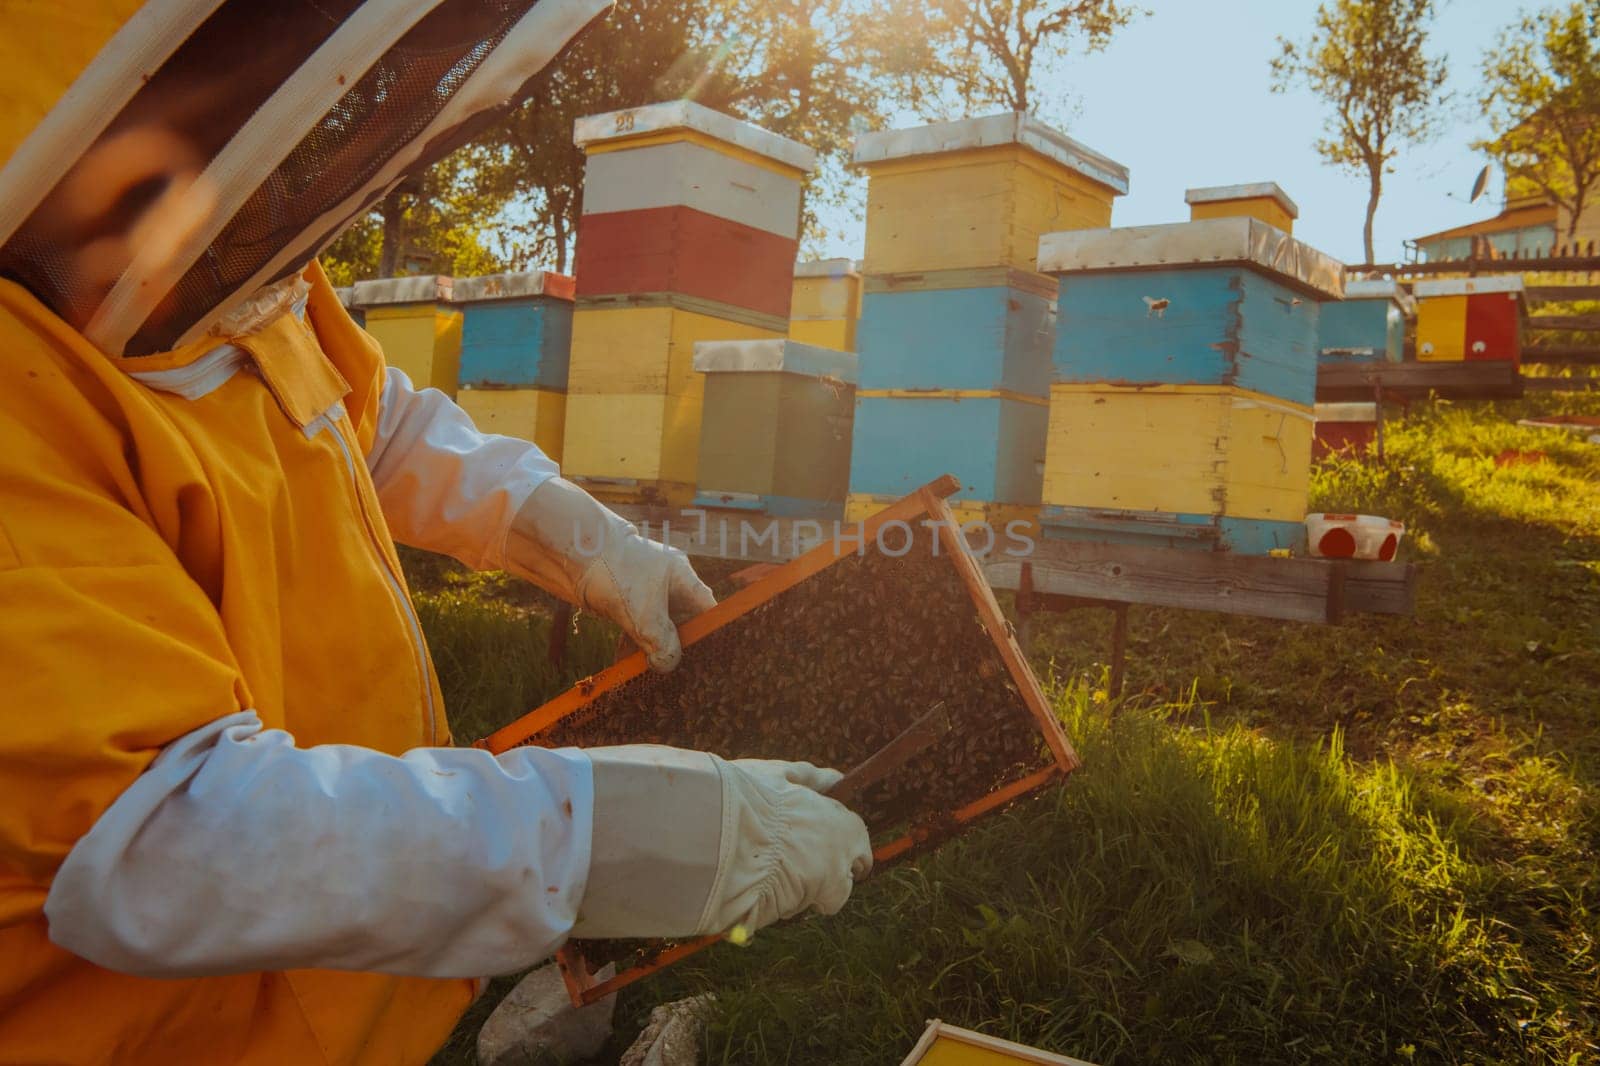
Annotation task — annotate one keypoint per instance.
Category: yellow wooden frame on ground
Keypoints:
(949, 1045)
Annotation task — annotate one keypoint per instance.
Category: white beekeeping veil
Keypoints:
(172, 160)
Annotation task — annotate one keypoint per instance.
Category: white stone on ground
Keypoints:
(673, 1036)
(538, 1018)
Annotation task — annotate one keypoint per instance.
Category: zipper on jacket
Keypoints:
(419, 644)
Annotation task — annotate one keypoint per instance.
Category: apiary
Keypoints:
(1184, 378)
(1469, 318)
(949, 1045)
(775, 429)
(827, 658)
(978, 192)
(1345, 429)
(826, 304)
(689, 231)
(1368, 325)
(1263, 200)
(418, 325)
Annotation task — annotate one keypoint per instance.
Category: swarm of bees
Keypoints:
(831, 670)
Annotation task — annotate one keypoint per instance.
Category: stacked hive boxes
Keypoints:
(775, 437)
(417, 323)
(689, 232)
(1368, 325)
(1469, 318)
(956, 323)
(1264, 200)
(1185, 371)
(515, 340)
(826, 304)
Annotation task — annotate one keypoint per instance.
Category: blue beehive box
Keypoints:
(1368, 325)
(994, 445)
(984, 330)
(1229, 302)
(517, 330)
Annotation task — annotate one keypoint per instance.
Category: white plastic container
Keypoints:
(1353, 536)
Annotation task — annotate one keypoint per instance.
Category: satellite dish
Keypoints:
(1479, 186)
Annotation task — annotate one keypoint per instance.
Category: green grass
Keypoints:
(1375, 842)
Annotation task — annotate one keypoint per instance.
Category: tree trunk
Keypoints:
(1375, 190)
(389, 248)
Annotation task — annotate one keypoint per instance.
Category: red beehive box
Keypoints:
(1469, 318)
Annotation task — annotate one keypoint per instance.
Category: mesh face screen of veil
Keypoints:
(145, 202)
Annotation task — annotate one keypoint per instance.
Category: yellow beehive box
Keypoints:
(826, 304)
(1264, 200)
(417, 325)
(1178, 449)
(634, 399)
(1442, 329)
(949, 1045)
(638, 350)
(634, 447)
(537, 415)
(978, 193)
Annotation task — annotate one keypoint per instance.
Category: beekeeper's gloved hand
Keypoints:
(568, 542)
(688, 844)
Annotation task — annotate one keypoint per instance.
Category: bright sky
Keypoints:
(1182, 98)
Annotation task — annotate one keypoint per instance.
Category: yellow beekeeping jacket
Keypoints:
(164, 562)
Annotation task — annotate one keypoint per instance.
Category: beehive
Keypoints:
(1469, 318)
(1368, 325)
(1185, 372)
(634, 400)
(515, 337)
(689, 232)
(1345, 429)
(978, 192)
(775, 430)
(826, 659)
(949, 1045)
(826, 304)
(417, 323)
(1260, 200)
(956, 325)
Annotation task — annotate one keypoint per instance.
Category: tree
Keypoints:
(1542, 94)
(432, 223)
(961, 56)
(1367, 59)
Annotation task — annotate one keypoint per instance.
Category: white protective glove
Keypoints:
(688, 844)
(566, 541)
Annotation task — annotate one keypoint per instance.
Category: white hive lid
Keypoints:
(512, 286)
(1008, 127)
(420, 289)
(1260, 190)
(1207, 242)
(688, 115)
(775, 357)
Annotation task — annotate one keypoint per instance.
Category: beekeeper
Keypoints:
(231, 826)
